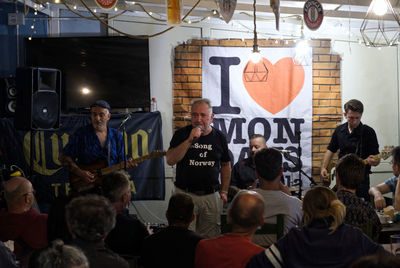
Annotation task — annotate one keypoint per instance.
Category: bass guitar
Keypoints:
(100, 169)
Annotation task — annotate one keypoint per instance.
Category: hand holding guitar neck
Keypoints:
(130, 163)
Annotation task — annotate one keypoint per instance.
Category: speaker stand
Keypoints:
(31, 156)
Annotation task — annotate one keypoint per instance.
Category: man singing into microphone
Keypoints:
(201, 154)
(93, 142)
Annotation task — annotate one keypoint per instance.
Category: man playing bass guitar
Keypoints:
(93, 142)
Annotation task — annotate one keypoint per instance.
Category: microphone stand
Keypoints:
(123, 142)
(298, 134)
(123, 138)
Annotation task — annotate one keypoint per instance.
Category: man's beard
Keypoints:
(98, 126)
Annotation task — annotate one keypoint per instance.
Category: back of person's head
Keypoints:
(59, 255)
(180, 209)
(354, 105)
(115, 185)
(246, 210)
(268, 163)
(322, 203)
(90, 217)
(350, 169)
(377, 261)
(396, 156)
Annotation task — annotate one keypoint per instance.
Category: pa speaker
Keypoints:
(38, 99)
(8, 97)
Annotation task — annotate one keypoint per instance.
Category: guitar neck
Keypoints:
(121, 165)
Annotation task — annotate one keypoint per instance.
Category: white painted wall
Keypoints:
(371, 75)
(368, 74)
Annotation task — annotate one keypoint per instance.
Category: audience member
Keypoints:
(22, 223)
(390, 184)
(129, 233)
(243, 173)
(323, 241)
(174, 246)
(90, 218)
(276, 196)
(7, 258)
(61, 256)
(234, 249)
(377, 261)
(397, 198)
(349, 175)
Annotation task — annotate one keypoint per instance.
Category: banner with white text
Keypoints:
(272, 98)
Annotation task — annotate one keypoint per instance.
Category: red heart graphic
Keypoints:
(284, 82)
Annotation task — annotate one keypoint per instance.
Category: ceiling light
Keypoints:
(379, 7)
(255, 69)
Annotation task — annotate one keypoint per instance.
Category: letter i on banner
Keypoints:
(174, 11)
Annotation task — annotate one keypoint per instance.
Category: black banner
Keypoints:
(143, 136)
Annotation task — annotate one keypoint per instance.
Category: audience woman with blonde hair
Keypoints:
(323, 241)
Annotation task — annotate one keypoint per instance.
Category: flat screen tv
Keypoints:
(115, 69)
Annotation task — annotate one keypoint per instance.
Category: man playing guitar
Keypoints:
(93, 142)
(353, 137)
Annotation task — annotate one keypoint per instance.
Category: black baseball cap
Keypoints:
(101, 103)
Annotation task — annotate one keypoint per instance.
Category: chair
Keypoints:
(367, 229)
(267, 228)
(274, 228)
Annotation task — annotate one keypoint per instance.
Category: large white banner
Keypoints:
(247, 100)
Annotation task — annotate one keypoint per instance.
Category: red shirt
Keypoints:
(228, 250)
(30, 226)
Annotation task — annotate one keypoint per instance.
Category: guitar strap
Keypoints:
(109, 153)
(359, 148)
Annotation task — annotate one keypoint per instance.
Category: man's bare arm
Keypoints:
(225, 179)
(174, 155)
(72, 167)
(377, 192)
(325, 162)
(397, 196)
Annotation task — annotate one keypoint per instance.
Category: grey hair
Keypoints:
(205, 101)
(62, 256)
(90, 217)
(115, 184)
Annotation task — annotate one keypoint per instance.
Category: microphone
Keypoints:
(201, 129)
(124, 121)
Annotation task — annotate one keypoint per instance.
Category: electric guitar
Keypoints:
(384, 154)
(100, 169)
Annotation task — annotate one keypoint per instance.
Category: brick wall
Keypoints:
(327, 110)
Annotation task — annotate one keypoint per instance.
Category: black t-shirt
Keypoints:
(171, 247)
(199, 168)
(361, 141)
(127, 236)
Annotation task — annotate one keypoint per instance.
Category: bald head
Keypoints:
(15, 191)
(246, 210)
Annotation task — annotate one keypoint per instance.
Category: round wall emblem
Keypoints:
(106, 4)
(313, 14)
